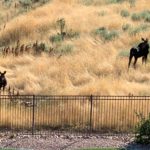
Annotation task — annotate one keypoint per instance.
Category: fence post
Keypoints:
(91, 110)
(33, 114)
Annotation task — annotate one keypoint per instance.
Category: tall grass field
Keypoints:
(83, 49)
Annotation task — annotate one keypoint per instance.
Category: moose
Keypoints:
(141, 51)
(3, 81)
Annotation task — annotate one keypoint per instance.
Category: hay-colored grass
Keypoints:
(93, 67)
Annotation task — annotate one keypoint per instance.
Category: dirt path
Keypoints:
(68, 142)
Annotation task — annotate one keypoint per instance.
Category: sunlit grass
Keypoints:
(93, 64)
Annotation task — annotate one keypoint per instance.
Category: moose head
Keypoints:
(144, 40)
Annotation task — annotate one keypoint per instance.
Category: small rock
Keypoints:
(11, 136)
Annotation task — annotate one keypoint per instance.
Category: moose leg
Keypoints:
(143, 60)
(134, 64)
(3, 88)
(0, 90)
(130, 59)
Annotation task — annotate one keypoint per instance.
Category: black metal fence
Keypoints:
(85, 114)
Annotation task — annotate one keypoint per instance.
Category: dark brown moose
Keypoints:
(3, 81)
(141, 51)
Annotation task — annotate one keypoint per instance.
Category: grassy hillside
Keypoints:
(12, 8)
(92, 58)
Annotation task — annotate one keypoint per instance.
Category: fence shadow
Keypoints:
(135, 146)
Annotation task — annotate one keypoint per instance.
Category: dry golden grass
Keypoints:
(94, 66)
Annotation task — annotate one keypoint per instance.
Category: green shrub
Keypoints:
(87, 2)
(62, 34)
(115, 1)
(106, 35)
(147, 18)
(56, 38)
(1, 18)
(25, 3)
(126, 27)
(28, 3)
(124, 53)
(72, 34)
(91, 2)
(145, 15)
(42, 46)
(64, 49)
(35, 1)
(124, 13)
(7, 3)
(132, 3)
(141, 28)
(143, 130)
(136, 17)
(102, 13)
(44, 1)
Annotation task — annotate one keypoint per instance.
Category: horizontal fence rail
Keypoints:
(36, 114)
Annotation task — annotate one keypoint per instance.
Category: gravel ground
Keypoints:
(67, 142)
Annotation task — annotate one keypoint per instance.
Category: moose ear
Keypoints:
(142, 39)
(4, 72)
